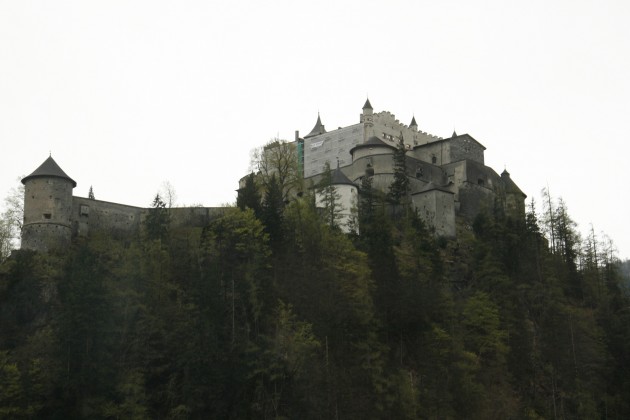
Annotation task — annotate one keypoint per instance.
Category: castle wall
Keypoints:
(347, 202)
(437, 210)
(194, 216)
(96, 215)
(328, 147)
(387, 127)
(436, 153)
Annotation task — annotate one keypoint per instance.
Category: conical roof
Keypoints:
(49, 169)
(318, 129)
(367, 105)
(413, 122)
(339, 177)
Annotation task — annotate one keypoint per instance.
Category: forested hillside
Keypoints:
(271, 312)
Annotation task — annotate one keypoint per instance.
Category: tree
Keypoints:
(11, 220)
(168, 194)
(329, 199)
(248, 196)
(272, 212)
(278, 157)
(158, 219)
(399, 189)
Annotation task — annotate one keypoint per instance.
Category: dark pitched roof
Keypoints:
(372, 142)
(318, 129)
(413, 122)
(49, 169)
(339, 177)
(449, 139)
(431, 186)
(454, 134)
(367, 105)
(510, 186)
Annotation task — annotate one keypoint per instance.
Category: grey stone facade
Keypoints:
(448, 176)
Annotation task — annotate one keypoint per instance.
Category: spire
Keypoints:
(413, 122)
(454, 134)
(318, 129)
(367, 105)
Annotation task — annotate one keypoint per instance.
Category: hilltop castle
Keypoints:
(447, 176)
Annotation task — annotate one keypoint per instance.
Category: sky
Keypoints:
(129, 94)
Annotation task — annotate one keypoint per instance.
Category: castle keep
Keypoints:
(448, 177)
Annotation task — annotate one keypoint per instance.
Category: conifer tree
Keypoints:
(248, 196)
(399, 189)
(158, 219)
(328, 198)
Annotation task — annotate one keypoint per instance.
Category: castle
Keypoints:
(53, 216)
(447, 176)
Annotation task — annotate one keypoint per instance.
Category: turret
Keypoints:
(413, 125)
(367, 118)
(47, 208)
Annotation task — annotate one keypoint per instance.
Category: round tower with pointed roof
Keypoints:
(47, 208)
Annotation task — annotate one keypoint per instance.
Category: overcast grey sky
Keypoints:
(128, 94)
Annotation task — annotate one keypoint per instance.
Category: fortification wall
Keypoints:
(194, 216)
(387, 127)
(96, 215)
(437, 210)
(328, 147)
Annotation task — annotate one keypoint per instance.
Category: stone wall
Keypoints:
(328, 147)
(113, 218)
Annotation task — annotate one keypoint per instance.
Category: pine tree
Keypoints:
(329, 199)
(158, 220)
(248, 196)
(399, 189)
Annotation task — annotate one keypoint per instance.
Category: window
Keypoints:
(434, 159)
(47, 215)
(480, 182)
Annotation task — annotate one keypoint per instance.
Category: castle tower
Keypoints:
(47, 208)
(413, 125)
(367, 118)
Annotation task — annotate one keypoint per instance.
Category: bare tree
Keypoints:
(168, 194)
(279, 158)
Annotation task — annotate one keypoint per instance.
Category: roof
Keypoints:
(413, 122)
(339, 177)
(367, 105)
(318, 129)
(431, 187)
(510, 186)
(451, 138)
(372, 142)
(49, 169)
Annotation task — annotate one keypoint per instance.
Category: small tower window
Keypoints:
(47, 215)
(480, 182)
(434, 159)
